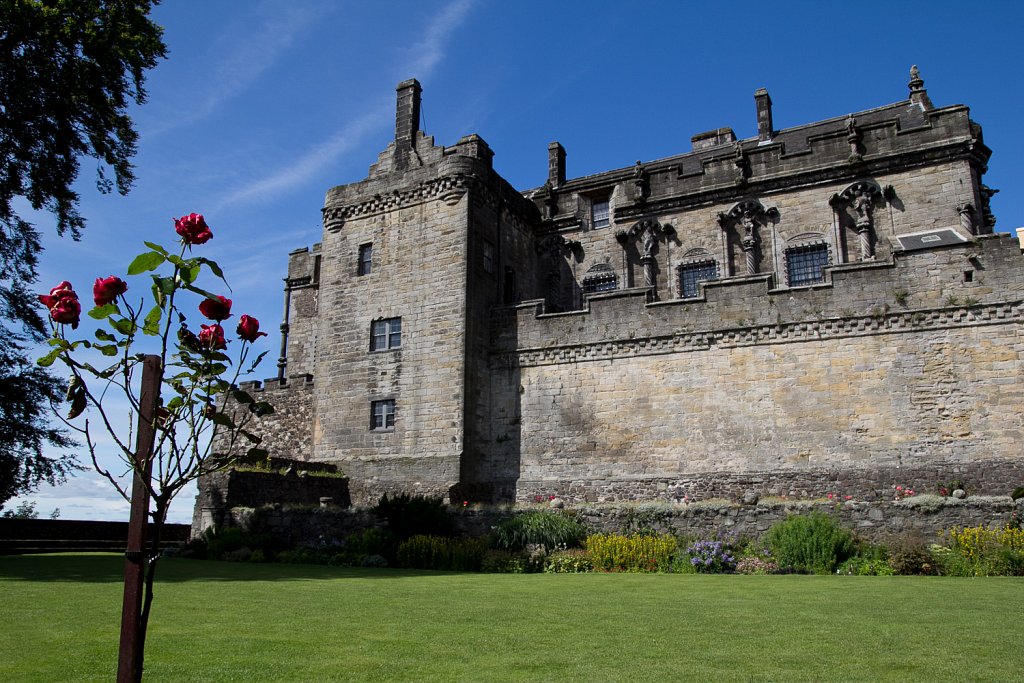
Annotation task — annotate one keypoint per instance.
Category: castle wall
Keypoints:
(884, 377)
(418, 275)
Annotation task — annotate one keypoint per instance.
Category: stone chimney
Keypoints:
(407, 115)
(764, 115)
(712, 138)
(556, 164)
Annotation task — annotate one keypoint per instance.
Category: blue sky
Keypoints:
(262, 106)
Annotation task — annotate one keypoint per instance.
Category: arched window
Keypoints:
(600, 278)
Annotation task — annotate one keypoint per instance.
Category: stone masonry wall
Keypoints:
(635, 401)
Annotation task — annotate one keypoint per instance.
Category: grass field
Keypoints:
(240, 622)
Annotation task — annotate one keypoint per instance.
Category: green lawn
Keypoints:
(238, 622)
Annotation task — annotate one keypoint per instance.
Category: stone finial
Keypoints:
(556, 164)
(764, 115)
(918, 95)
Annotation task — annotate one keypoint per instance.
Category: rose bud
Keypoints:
(211, 337)
(249, 329)
(193, 229)
(106, 290)
(216, 309)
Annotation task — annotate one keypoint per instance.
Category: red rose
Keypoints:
(249, 329)
(63, 304)
(212, 338)
(105, 290)
(216, 309)
(193, 229)
(56, 293)
(66, 311)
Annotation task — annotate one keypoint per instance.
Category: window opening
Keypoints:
(386, 334)
(365, 259)
(805, 264)
(600, 278)
(601, 214)
(692, 273)
(382, 414)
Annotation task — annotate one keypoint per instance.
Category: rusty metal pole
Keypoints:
(129, 661)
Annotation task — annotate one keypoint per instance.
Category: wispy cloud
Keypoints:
(237, 65)
(431, 50)
(310, 164)
(424, 57)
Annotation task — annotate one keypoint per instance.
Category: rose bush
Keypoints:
(199, 374)
(201, 420)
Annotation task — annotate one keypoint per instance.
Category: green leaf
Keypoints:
(214, 268)
(165, 284)
(261, 408)
(107, 349)
(47, 360)
(256, 362)
(151, 325)
(103, 335)
(147, 261)
(175, 403)
(242, 396)
(102, 312)
(123, 325)
(156, 247)
(222, 420)
(253, 438)
(188, 275)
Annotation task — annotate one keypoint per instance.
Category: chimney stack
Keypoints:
(407, 115)
(556, 164)
(764, 115)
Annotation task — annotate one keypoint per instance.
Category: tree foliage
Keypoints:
(68, 71)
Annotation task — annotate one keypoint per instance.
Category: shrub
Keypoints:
(813, 543)
(414, 515)
(372, 541)
(614, 553)
(711, 557)
(909, 555)
(231, 543)
(435, 552)
(504, 562)
(546, 528)
(985, 551)
(568, 561)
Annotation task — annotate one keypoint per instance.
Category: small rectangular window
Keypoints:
(692, 273)
(382, 414)
(365, 259)
(805, 265)
(488, 257)
(601, 214)
(386, 334)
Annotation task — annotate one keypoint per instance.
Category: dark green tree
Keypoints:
(68, 71)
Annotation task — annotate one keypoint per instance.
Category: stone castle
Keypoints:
(820, 308)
